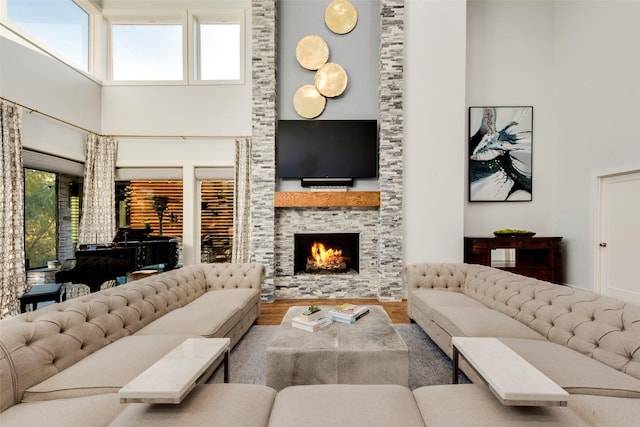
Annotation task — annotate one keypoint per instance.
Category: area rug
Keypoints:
(428, 365)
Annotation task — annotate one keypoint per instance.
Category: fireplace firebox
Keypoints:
(326, 253)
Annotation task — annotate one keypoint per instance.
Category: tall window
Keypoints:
(218, 42)
(40, 216)
(153, 204)
(60, 26)
(216, 226)
(147, 52)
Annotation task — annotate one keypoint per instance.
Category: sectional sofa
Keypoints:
(64, 364)
(588, 344)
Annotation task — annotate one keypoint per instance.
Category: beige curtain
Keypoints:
(242, 202)
(12, 263)
(98, 221)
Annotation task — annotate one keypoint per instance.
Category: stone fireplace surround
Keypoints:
(363, 284)
(380, 229)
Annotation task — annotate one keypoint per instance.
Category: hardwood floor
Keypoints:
(272, 313)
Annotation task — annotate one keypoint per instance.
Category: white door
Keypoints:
(619, 237)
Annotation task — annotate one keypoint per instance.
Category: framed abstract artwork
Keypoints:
(500, 154)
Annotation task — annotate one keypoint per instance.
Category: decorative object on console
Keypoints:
(500, 155)
(513, 232)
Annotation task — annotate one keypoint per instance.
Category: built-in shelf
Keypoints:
(310, 199)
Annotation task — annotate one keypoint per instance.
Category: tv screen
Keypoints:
(327, 149)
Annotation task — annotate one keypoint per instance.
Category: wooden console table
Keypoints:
(539, 257)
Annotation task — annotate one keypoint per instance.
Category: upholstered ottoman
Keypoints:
(369, 351)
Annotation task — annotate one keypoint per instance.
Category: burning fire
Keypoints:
(323, 256)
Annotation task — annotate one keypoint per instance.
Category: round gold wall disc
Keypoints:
(312, 52)
(341, 16)
(331, 79)
(308, 102)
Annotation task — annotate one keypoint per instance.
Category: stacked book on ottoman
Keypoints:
(312, 319)
(348, 313)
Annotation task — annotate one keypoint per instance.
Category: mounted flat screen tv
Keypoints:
(326, 150)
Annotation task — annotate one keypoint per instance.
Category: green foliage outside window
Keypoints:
(40, 216)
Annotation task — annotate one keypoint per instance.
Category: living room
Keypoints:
(453, 59)
(573, 62)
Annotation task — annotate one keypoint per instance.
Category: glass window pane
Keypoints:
(216, 228)
(219, 51)
(59, 25)
(156, 204)
(40, 217)
(146, 52)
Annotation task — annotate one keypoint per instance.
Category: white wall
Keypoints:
(44, 84)
(597, 107)
(510, 53)
(434, 131)
(577, 63)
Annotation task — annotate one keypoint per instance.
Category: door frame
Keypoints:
(599, 215)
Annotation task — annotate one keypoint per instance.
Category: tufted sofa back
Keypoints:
(602, 328)
(36, 345)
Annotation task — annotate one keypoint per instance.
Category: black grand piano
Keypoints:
(130, 250)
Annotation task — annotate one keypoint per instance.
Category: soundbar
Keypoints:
(339, 182)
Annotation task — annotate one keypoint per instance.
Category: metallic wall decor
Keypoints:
(309, 102)
(331, 79)
(341, 16)
(312, 52)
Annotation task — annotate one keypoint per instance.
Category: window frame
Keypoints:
(93, 22)
(197, 17)
(143, 18)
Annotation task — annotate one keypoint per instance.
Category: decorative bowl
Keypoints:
(514, 233)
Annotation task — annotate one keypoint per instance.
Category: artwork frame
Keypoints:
(500, 154)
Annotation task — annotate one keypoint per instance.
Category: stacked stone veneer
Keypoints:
(380, 229)
(363, 221)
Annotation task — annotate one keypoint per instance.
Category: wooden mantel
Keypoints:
(309, 199)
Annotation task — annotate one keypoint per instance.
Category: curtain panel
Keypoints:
(242, 202)
(13, 279)
(98, 221)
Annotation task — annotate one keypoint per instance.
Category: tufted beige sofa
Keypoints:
(67, 361)
(588, 344)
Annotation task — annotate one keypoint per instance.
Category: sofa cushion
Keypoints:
(107, 370)
(473, 404)
(573, 371)
(480, 322)
(345, 405)
(96, 410)
(227, 405)
(212, 315)
(606, 411)
(428, 299)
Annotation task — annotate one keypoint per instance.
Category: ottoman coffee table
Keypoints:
(369, 351)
